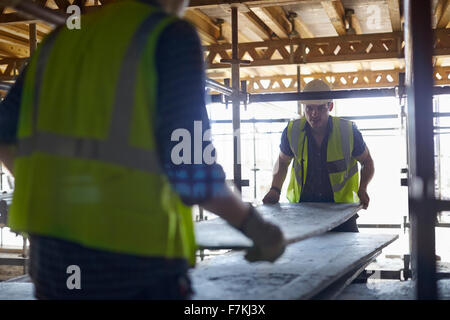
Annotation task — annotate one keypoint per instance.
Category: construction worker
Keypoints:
(98, 185)
(325, 151)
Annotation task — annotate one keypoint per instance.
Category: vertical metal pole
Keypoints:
(437, 123)
(33, 37)
(299, 89)
(235, 81)
(419, 81)
(227, 83)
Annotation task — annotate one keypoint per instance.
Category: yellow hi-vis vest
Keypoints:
(87, 168)
(341, 166)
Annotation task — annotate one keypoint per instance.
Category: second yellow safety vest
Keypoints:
(341, 166)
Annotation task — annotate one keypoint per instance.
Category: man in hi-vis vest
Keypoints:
(325, 151)
(92, 131)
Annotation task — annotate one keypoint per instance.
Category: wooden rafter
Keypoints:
(11, 68)
(336, 13)
(207, 30)
(61, 6)
(275, 19)
(337, 81)
(356, 24)
(9, 38)
(258, 26)
(247, 3)
(443, 14)
(226, 31)
(10, 50)
(394, 13)
(20, 31)
(343, 48)
(353, 20)
(302, 28)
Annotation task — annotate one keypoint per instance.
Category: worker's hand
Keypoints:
(267, 238)
(363, 198)
(271, 197)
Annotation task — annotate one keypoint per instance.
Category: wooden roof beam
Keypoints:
(258, 26)
(394, 13)
(353, 21)
(302, 28)
(335, 11)
(248, 3)
(442, 13)
(21, 31)
(207, 30)
(227, 34)
(9, 38)
(12, 50)
(275, 19)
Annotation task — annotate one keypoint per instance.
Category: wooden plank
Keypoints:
(258, 26)
(336, 13)
(275, 19)
(302, 29)
(444, 17)
(394, 13)
(438, 12)
(304, 270)
(205, 27)
(336, 288)
(298, 221)
(247, 3)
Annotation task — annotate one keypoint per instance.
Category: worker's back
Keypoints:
(87, 169)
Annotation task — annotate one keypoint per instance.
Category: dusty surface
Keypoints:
(306, 268)
(389, 290)
(298, 221)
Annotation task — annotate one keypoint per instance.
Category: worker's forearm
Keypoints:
(7, 155)
(229, 207)
(367, 172)
(279, 174)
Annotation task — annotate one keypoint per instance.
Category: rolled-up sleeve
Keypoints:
(358, 142)
(182, 122)
(284, 144)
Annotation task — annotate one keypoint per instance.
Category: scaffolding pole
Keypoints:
(422, 202)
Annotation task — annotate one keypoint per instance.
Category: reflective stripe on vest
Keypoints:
(115, 149)
(297, 134)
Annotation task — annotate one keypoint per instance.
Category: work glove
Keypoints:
(268, 239)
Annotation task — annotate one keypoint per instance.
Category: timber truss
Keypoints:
(280, 38)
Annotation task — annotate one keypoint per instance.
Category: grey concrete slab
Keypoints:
(335, 289)
(389, 290)
(16, 291)
(304, 270)
(298, 221)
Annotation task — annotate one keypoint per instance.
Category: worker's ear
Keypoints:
(330, 106)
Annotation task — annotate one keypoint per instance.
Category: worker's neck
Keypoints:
(319, 131)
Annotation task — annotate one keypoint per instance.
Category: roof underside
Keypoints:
(350, 43)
